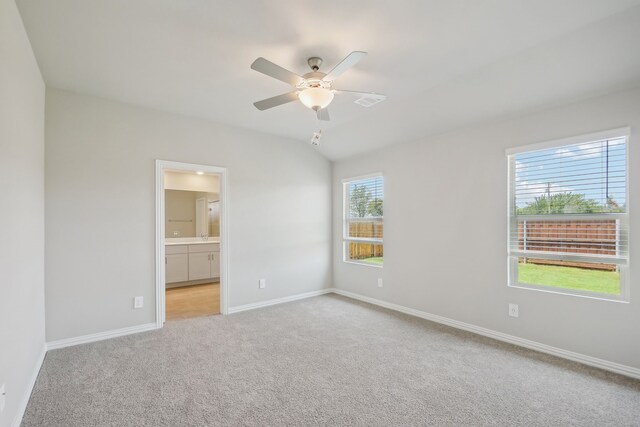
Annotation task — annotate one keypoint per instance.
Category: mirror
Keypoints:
(191, 213)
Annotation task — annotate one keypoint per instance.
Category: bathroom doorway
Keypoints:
(191, 264)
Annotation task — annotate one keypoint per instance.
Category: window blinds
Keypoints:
(570, 202)
(364, 209)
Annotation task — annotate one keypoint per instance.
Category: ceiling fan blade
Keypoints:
(323, 114)
(276, 100)
(377, 96)
(352, 59)
(277, 72)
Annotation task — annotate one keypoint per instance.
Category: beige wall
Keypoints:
(22, 94)
(99, 258)
(458, 269)
(191, 182)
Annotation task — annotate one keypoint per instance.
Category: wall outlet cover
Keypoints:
(138, 302)
(513, 310)
(380, 282)
(262, 283)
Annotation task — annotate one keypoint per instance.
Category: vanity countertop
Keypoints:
(190, 241)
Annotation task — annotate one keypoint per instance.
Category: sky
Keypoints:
(578, 168)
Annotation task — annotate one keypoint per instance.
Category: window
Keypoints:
(568, 216)
(363, 220)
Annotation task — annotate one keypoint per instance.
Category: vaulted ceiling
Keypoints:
(442, 64)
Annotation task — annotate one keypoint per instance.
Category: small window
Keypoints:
(568, 216)
(363, 220)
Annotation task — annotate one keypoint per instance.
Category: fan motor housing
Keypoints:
(314, 79)
(314, 62)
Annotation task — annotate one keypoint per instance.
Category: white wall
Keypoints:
(22, 212)
(100, 217)
(445, 232)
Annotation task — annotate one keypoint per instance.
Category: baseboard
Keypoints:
(279, 300)
(191, 283)
(68, 342)
(533, 345)
(27, 393)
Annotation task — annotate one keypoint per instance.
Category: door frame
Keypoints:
(161, 167)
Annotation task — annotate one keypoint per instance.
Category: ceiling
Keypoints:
(443, 64)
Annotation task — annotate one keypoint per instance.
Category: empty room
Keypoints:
(370, 213)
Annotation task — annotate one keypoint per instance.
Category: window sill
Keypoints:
(570, 292)
(366, 264)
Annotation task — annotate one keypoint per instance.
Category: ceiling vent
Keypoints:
(368, 101)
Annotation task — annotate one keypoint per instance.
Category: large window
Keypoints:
(568, 216)
(363, 220)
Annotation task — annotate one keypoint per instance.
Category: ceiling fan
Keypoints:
(314, 89)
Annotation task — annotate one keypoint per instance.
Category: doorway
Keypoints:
(191, 240)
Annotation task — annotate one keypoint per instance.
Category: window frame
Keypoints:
(345, 222)
(512, 260)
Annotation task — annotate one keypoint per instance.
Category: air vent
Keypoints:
(368, 101)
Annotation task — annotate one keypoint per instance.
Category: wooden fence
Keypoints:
(365, 229)
(594, 237)
(365, 250)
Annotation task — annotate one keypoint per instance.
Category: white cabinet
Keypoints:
(176, 264)
(215, 264)
(204, 261)
(188, 262)
(199, 266)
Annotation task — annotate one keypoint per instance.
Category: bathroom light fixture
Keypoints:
(200, 173)
(316, 97)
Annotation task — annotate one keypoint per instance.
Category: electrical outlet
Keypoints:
(262, 283)
(138, 302)
(2, 398)
(513, 310)
(379, 282)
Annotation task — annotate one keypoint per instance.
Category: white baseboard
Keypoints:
(68, 342)
(565, 354)
(27, 393)
(278, 300)
(533, 345)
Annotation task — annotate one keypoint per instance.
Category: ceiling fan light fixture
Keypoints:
(316, 97)
(314, 89)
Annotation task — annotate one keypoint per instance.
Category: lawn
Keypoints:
(374, 260)
(606, 282)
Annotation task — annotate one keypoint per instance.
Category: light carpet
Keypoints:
(327, 360)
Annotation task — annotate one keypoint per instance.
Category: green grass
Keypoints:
(374, 260)
(605, 282)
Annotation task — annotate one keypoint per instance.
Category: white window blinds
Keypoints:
(365, 199)
(569, 202)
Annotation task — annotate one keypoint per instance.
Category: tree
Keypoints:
(359, 201)
(613, 206)
(562, 203)
(375, 207)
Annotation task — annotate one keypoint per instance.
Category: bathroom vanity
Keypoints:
(191, 259)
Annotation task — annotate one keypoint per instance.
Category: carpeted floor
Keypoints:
(327, 360)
